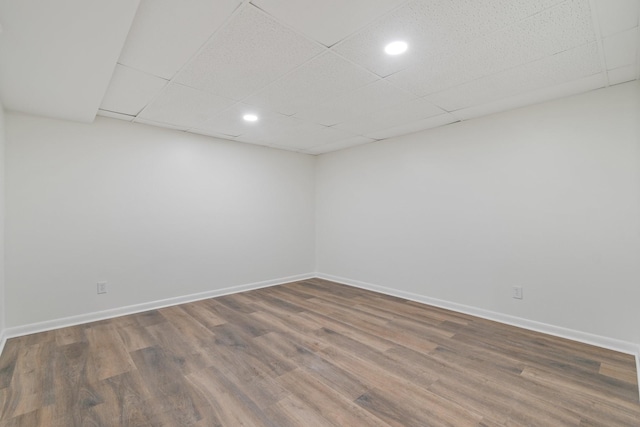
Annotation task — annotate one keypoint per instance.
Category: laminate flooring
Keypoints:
(311, 353)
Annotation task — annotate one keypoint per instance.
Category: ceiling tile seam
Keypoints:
(247, 3)
(483, 36)
(285, 76)
(166, 85)
(227, 21)
(528, 91)
(196, 53)
(117, 112)
(141, 71)
(221, 112)
(504, 70)
(375, 20)
(595, 18)
(265, 88)
(287, 26)
(157, 95)
(324, 48)
(518, 22)
(378, 76)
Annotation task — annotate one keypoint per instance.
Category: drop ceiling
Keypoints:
(314, 72)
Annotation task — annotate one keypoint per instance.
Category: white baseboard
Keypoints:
(48, 325)
(583, 337)
(3, 339)
(638, 369)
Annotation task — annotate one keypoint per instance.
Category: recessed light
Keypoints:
(250, 117)
(396, 48)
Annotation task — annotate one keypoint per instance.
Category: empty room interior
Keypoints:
(319, 213)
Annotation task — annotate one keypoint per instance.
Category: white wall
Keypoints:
(156, 213)
(2, 297)
(545, 197)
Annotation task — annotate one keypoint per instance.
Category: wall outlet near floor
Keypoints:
(516, 292)
(102, 287)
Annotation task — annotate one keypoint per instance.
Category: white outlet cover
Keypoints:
(517, 292)
(102, 287)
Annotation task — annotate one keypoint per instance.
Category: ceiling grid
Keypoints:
(315, 73)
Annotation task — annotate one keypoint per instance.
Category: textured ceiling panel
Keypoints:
(250, 52)
(552, 31)
(327, 21)
(200, 65)
(306, 135)
(322, 78)
(184, 106)
(131, 90)
(375, 96)
(391, 117)
(532, 97)
(291, 133)
(623, 74)
(621, 49)
(230, 121)
(617, 15)
(339, 145)
(433, 26)
(570, 65)
(166, 33)
(414, 126)
(449, 69)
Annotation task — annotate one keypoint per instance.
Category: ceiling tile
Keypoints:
(339, 145)
(390, 117)
(230, 121)
(432, 26)
(559, 28)
(269, 131)
(552, 31)
(617, 15)
(130, 90)
(414, 126)
(250, 52)
(183, 106)
(621, 49)
(562, 67)
(304, 135)
(326, 76)
(327, 21)
(623, 74)
(573, 87)
(448, 69)
(166, 33)
(375, 96)
(111, 114)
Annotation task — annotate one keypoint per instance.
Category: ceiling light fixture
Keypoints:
(396, 48)
(250, 117)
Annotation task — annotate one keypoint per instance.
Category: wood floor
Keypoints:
(311, 353)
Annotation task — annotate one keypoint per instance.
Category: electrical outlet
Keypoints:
(102, 287)
(516, 292)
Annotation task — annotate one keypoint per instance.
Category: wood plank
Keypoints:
(110, 356)
(311, 353)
